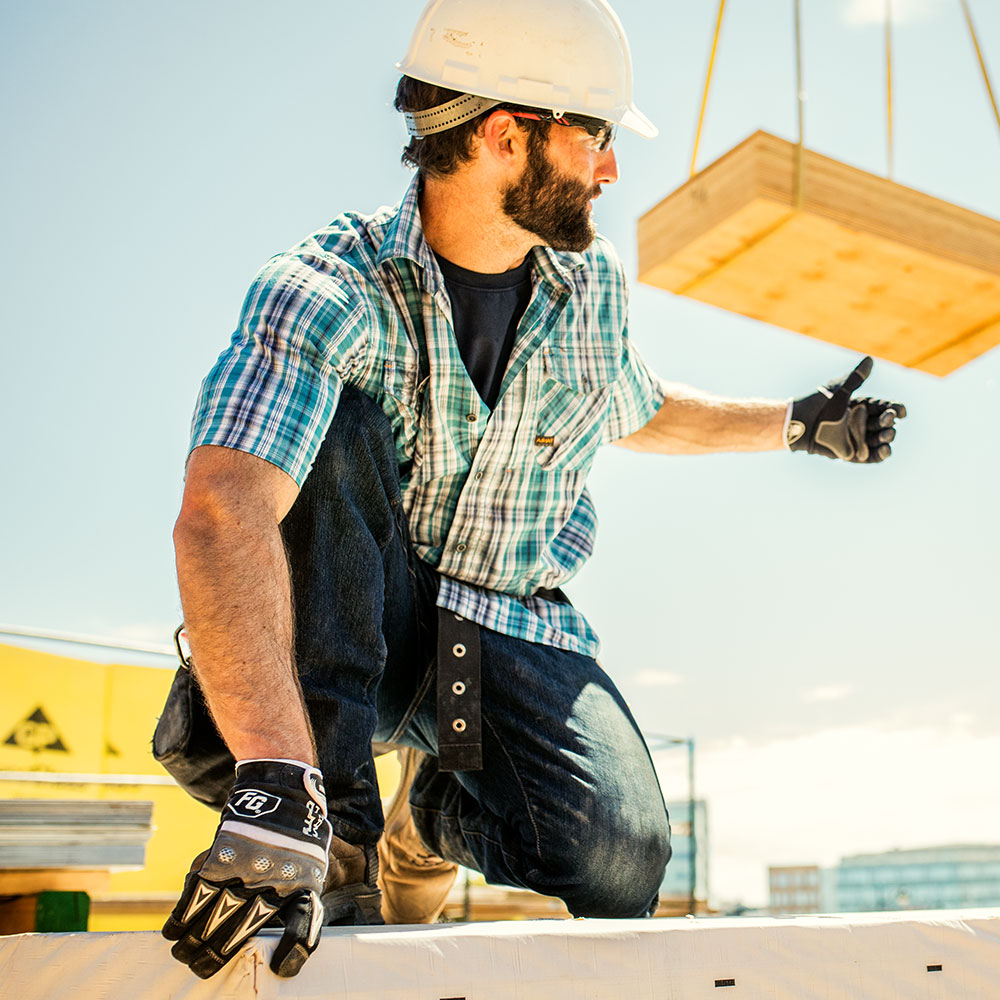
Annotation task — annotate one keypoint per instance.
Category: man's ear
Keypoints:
(503, 140)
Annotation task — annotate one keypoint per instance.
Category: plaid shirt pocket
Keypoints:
(575, 396)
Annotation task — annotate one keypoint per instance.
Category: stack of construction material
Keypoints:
(54, 853)
(57, 834)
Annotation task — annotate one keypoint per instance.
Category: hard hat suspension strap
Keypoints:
(446, 116)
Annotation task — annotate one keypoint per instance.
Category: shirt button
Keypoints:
(472, 417)
(461, 547)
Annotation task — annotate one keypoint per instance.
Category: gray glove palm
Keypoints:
(829, 422)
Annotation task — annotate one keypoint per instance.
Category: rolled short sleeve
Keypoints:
(274, 390)
(638, 394)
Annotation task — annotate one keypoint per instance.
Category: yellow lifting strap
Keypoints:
(800, 93)
(982, 62)
(888, 84)
(800, 99)
(708, 81)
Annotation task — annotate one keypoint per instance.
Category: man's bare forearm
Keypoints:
(691, 422)
(236, 595)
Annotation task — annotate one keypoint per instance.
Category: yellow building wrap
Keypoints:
(73, 729)
(52, 714)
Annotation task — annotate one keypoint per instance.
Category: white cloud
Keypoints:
(850, 790)
(656, 678)
(828, 692)
(862, 12)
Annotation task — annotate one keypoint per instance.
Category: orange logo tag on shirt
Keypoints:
(544, 440)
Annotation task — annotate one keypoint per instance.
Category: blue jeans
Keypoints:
(567, 803)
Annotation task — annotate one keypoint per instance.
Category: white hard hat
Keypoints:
(567, 56)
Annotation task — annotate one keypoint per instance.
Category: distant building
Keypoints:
(927, 878)
(676, 883)
(930, 878)
(795, 889)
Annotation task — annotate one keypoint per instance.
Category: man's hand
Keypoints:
(828, 422)
(268, 864)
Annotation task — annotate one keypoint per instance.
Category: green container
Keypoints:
(62, 911)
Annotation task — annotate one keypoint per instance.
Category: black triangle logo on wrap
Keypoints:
(36, 732)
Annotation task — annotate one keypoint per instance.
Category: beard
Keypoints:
(550, 204)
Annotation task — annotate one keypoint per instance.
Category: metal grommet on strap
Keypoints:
(459, 709)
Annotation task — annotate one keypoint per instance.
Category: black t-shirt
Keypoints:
(485, 310)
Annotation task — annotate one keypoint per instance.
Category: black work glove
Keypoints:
(830, 423)
(267, 865)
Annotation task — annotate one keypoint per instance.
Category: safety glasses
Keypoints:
(601, 132)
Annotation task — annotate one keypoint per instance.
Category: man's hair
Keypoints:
(442, 153)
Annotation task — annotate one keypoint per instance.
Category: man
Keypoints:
(396, 445)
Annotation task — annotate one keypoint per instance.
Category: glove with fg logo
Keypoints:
(267, 866)
(829, 422)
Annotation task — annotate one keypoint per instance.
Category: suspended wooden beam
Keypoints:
(865, 263)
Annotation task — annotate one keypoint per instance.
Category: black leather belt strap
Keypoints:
(459, 705)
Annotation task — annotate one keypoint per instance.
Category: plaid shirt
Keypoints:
(496, 501)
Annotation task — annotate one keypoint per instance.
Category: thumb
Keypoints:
(858, 376)
(303, 919)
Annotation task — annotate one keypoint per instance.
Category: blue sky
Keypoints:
(827, 633)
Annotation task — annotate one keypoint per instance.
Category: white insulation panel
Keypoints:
(933, 955)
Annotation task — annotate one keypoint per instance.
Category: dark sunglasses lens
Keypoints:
(605, 136)
(603, 133)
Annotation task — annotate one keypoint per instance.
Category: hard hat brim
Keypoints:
(634, 120)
